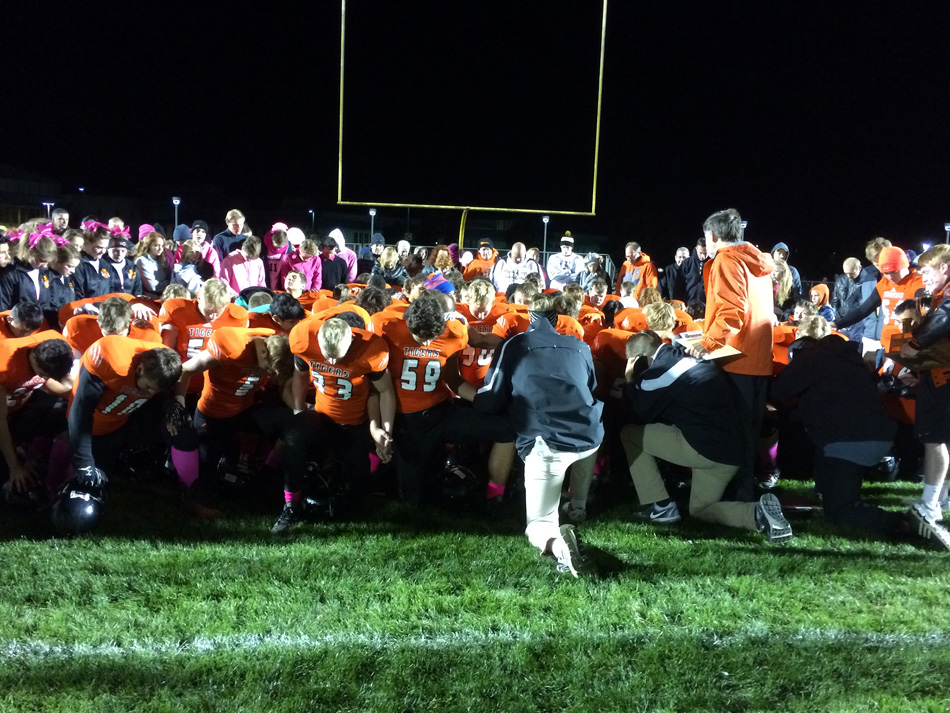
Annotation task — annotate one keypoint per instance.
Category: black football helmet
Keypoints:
(457, 487)
(326, 490)
(77, 508)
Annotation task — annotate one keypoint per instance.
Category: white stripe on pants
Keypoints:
(544, 470)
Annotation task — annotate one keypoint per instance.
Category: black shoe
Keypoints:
(288, 516)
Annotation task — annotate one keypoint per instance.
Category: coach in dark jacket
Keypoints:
(545, 382)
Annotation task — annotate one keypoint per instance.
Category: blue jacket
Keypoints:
(545, 382)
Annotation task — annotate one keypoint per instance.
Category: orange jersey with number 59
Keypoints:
(417, 369)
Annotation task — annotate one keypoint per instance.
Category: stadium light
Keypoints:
(372, 221)
(176, 201)
(946, 227)
(742, 225)
(49, 207)
(312, 218)
(545, 219)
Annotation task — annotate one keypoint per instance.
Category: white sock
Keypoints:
(929, 497)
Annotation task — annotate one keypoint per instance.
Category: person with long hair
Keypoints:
(152, 261)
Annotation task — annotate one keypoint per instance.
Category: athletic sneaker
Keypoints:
(288, 516)
(566, 550)
(769, 517)
(927, 528)
(668, 513)
(931, 514)
(573, 514)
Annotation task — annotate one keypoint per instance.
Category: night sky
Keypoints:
(824, 125)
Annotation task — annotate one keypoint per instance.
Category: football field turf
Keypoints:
(431, 611)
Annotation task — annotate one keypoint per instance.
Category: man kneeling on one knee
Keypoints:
(689, 418)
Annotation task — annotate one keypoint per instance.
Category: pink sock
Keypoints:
(494, 490)
(292, 497)
(374, 462)
(186, 465)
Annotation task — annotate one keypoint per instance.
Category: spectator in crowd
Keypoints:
(819, 297)
(62, 287)
(695, 273)
(93, 277)
(564, 265)
(739, 314)
(333, 268)
(348, 256)
(673, 281)
(6, 257)
(125, 274)
(484, 262)
(780, 252)
(209, 262)
(439, 260)
(403, 248)
(225, 241)
(514, 268)
(784, 294)
(29, 280)
(638, 269)
(535, 254)
(592, 270)
(369, 256)
(275, 246)
(185, 272)
(60, 221)
(846, 295)
(243, 267)
(389, 267)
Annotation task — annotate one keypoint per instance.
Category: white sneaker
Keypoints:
(929, 513)
(928, 529)
(768, 514)
(567, 552)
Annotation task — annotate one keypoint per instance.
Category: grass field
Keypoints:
(429, 611)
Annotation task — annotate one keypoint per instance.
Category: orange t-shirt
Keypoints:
(475, 361)
(610, 349)
(343, 388)
(417, 369)
(16, 374)
(892, 294)
(112, 361)
(230, 384)
(194, 330)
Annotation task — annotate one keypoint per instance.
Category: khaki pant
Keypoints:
(710, 479)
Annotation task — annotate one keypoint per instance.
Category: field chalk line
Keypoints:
(26, 650)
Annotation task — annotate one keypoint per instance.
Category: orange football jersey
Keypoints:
(343, 388)
(194, 330)
(230, 384)
(475, 361)
(610, 350)
(112, 360)
(82, 331)
(16, 374)
(417, 369)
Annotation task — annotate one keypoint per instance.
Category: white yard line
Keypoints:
(40, 650)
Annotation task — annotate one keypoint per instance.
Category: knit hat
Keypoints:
(438, 282)
(279, 226)
(181, 233)
(892, 259)
(145, 229)
(119, 242)
(566, 239)
(822, 291)
(200, 224)
(378, 239)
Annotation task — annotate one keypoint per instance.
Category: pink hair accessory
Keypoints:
(46, 232)
(116, 232)
(92, 225)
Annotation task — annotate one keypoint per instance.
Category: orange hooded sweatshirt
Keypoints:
(480, 268)
(739, 308)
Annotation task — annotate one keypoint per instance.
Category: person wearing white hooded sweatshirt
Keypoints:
(514, 268)
(344, 252)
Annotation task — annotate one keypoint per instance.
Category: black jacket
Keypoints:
(673, 283)
(694, 396)
(545, 382)
(130, 282)
(934, 326)
(837, 396)
(92, 280)
(16, 286)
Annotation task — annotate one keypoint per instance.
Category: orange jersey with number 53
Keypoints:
(343, 387)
